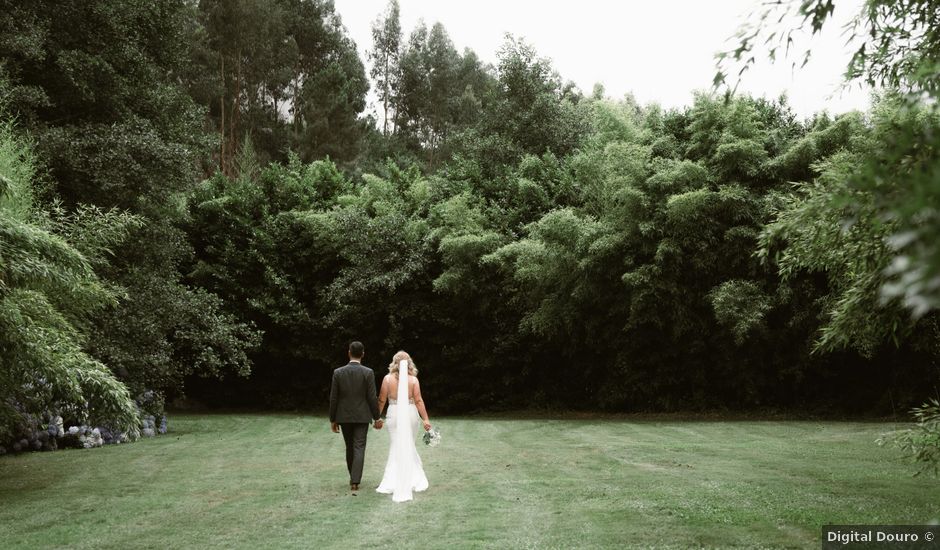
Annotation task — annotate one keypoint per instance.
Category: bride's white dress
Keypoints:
(404, 472)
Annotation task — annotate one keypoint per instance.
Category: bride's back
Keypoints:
(393, 385)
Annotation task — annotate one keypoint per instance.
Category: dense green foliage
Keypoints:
(97, 85)
(898, 48)
(920, 443)
(630, 256)
(48, 293)
(530, 245)
(874, 220)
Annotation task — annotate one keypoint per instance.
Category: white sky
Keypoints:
(659, 50)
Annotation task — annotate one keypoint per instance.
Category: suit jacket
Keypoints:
(352, 395)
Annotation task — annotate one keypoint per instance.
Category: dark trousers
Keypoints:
(355, 436)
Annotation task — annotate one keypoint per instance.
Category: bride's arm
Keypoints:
(383, 395)
(419, 403)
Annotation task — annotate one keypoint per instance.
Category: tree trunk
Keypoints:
(295, 121)
(236, 111)
(385, 99)
(222, 122)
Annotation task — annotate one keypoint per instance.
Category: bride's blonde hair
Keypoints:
(393, 367)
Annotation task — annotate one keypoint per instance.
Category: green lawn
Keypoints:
(277, 481)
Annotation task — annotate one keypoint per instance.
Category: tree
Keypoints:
(48, 293)
(264, 244)
(528, 111)
(253, 55)
(330, 86)
(898, 48)
(884, 199)
(284, 73)
(384, 56)
(433, 92)
(98, 84)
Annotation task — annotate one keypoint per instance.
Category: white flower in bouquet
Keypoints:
(432, 437)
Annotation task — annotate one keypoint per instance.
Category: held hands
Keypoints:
(335, 427)
(378, 424)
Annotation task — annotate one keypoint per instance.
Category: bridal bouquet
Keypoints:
(432, 437)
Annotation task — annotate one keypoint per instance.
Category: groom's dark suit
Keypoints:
(353, 405)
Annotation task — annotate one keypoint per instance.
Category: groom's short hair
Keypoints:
(356, 350)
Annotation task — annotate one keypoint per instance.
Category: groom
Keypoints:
(352, 406)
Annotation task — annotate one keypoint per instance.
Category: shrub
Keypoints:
(921, 442)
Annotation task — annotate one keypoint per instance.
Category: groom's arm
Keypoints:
(370, 396)
(334, 399)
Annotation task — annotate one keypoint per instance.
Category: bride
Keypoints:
(403, 471)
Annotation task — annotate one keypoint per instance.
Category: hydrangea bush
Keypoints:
(48, 431)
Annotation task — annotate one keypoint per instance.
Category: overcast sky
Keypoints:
(661, 50)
